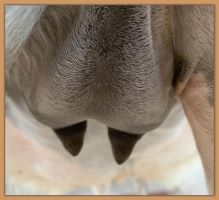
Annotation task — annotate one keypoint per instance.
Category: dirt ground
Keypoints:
(164, 161)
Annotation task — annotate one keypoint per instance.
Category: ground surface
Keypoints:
(165, 161)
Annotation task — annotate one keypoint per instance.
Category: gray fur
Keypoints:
(194, 44)
(121, 65)
(110, 63)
